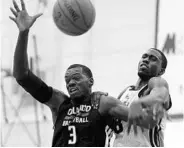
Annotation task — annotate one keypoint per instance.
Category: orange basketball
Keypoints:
(74, 17)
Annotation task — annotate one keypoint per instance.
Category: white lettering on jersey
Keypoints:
(76, 110)
(77, 115)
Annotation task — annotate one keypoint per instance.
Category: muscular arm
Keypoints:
(30, 82)
(159, 92)
(113, 107)
(158, 95)
(157, 102)
(20, 66)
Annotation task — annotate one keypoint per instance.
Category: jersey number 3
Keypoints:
(72, 132)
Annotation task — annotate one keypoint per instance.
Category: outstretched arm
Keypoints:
(158, 92)
(155, 103)
(114, 107)
(30, 82)
(23, 22)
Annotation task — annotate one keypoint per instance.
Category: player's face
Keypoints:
(150, 64)
(77, 83)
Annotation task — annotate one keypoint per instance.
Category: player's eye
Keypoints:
(153, 58)
(67, 81)
(77, 78)
(144, 56)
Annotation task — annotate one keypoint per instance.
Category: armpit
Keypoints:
(58, 97)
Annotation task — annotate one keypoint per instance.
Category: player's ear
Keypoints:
(162, 71)
(91, 81)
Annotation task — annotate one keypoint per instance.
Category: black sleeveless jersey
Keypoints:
(80, 126)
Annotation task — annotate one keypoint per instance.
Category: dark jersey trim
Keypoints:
(154, 136)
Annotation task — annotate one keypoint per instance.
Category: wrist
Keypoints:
(26, 31)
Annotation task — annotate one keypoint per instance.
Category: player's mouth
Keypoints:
(144, 66)
(73, 90)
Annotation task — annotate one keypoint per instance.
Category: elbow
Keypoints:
(20, 75)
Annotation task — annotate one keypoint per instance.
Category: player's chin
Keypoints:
(144, 75)
(75, 95)
(143, 70)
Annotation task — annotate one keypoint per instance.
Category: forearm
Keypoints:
(30, 82)
(20, 67)
(120, 112)
(151, 100)
(151, 119)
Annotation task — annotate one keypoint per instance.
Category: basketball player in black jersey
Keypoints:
(81, 118)
(152, 91)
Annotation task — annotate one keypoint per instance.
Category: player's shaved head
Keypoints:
(164, 59)
(85, 69)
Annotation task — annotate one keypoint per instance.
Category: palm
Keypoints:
(24, 21)
(22, 18)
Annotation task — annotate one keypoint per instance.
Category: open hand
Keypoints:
(159, 111)
(136, 113)
(22, 18)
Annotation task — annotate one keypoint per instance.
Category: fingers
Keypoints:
(13, 19)
(158, 111)
(37, 15)
(155, 107)
(16, 6)
(135, 128)
(144, 112)
(13, 11)
(149, 126)
(23, 5)
(142, 129)
(129, 126)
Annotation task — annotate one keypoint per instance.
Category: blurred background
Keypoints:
(123, 30)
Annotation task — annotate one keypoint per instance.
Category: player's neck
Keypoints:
(140, 83)
(80, 100)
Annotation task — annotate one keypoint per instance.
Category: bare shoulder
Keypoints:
(106, 99)
(106, 102)
(58, 97)
(157, 82)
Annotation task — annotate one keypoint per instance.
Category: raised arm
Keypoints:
(30, 82)
(23, 22)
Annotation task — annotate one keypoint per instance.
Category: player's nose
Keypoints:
(146, 60)
(71, 83)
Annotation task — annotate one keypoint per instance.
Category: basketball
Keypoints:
(74, 17)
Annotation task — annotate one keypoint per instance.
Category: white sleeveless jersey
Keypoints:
(148, 138)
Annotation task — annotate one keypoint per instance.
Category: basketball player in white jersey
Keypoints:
(150, 88)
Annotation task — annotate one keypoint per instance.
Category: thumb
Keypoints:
(37, 16)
